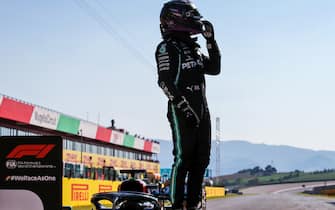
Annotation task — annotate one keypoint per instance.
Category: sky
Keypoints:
(94, 59)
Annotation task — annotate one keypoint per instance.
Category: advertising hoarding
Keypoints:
(31, 172)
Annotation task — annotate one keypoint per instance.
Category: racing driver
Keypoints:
(181, 74)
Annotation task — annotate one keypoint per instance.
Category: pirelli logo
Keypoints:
(105, 188)
(79, 192)
(34, 150)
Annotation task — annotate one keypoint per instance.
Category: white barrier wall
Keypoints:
(139, 144)
(117, 138)
(88, 129)
(155, 148)
(44, 118)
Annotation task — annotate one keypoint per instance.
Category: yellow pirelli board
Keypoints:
(78, 192)
(215, 192)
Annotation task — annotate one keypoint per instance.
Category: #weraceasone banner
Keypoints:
(31, 173)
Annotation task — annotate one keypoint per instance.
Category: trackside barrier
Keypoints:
(215, 192)
(325, 190)
(78, 192)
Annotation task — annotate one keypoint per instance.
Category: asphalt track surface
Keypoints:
(276, 197)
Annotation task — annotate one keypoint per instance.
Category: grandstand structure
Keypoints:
(88, 148)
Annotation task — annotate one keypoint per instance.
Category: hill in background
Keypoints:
(238, 155)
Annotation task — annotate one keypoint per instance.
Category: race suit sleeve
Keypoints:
(167, 59)
(212, 62)
(168, 66)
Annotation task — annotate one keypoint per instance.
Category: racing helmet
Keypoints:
(180, 16)
(134, 185)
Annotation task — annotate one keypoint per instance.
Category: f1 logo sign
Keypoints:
(36, 150)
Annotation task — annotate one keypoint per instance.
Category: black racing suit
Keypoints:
(181, 74)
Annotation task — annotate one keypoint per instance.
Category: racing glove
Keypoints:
(208, 34)
(213, 61)
(189, 114)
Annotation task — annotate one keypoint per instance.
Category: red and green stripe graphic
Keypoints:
(68, 124)
(104, 134)
(128, 141)
(147, 146)
(16, 110)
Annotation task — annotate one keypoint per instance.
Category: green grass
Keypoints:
(272, 177)
(281, 178)
(313, 177)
